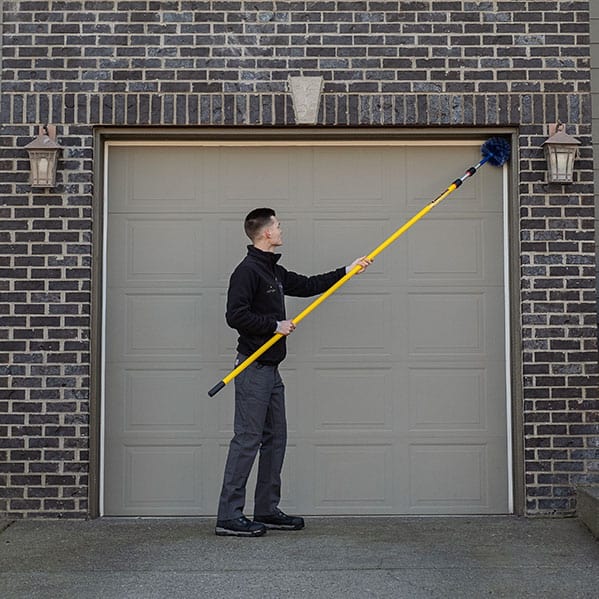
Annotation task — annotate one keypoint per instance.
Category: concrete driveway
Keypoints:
(331, 558)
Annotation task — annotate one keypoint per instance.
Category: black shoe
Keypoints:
(239, 527)
(281, 521)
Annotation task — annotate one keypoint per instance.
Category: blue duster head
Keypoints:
(496, 150)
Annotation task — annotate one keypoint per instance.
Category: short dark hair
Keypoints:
(256, 220)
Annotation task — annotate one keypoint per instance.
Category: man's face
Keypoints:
(274, 232)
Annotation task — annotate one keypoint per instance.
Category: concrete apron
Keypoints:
(332, 557)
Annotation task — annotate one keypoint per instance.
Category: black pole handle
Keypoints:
(216, 389)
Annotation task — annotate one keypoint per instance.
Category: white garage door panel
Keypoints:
(157, 249)
(333, 236)
(448, 475)
(363, 181)
(241, 177)
(359, 335)
(454, 477)
(463, 258)
(445, 323)
(395, 386)
(428, 392)
(161, 476)
(151, 325)
(358, 399)
(155, 191)
(150, 405)
(339, 490)
(178, 255)
(454, 251)
(163, 323)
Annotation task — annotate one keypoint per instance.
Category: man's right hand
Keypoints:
(285, 327)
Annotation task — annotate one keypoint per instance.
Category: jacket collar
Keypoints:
(268, 257)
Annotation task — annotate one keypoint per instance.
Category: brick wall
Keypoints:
(594, 26)
(84, 63)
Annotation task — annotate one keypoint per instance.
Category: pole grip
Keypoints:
(216, 388)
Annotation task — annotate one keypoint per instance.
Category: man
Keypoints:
(256, 308)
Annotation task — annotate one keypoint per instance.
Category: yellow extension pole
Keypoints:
(355, 270)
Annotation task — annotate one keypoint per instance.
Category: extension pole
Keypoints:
(355, 270)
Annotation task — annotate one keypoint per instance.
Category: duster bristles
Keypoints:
(497, 150)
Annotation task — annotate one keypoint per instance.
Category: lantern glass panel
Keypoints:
(43, 167)
(560, 160)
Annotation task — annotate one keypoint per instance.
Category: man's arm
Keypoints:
(303, 286)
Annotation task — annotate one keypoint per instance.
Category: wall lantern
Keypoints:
(560, 151)
(43, 157)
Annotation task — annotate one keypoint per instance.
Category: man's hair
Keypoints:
(256, 220)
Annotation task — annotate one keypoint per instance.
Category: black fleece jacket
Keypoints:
(256, 300)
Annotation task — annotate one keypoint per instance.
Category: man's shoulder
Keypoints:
(247, 267)
(248, 261)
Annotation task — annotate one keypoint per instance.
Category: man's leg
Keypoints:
(252, 392)
(272, 452)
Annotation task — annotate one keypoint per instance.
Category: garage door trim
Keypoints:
(105, 138)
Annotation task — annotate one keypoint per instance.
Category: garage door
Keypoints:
(395, 386)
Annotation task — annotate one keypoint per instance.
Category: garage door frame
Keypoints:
(103, 137)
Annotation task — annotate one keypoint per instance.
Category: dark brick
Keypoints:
(446, 64)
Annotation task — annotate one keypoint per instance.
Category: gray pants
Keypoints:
(260, 424)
